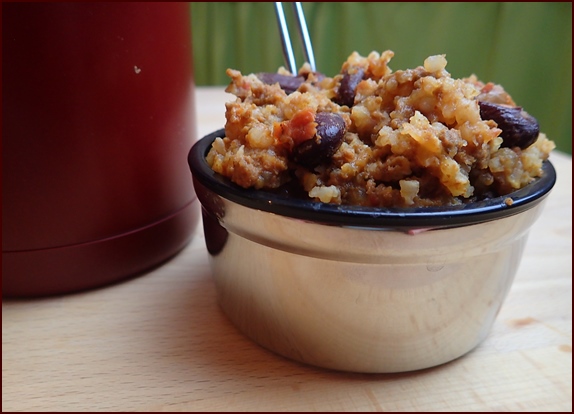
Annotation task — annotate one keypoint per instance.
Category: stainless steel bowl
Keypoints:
(361, 289)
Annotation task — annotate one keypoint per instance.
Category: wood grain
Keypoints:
(159, 342)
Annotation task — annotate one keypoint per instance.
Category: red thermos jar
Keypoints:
(97, 121)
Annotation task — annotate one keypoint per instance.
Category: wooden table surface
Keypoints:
(159, 342)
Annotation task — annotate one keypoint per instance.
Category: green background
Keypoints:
(525, 47)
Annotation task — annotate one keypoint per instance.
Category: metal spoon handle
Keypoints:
(304, 34)
(286, 38)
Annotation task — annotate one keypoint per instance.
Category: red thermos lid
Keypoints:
(98, 118)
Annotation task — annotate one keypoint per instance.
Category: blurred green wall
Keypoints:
(525, 47)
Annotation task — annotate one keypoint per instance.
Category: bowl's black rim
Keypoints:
(356, 216)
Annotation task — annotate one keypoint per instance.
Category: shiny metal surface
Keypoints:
(361, 300)
(303, 32)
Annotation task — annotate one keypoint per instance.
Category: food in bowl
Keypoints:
(373, 137)
(370, 281)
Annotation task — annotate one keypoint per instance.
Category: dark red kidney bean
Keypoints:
(348, 87)
(331, 129)
(519, 129)
(287, 82)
